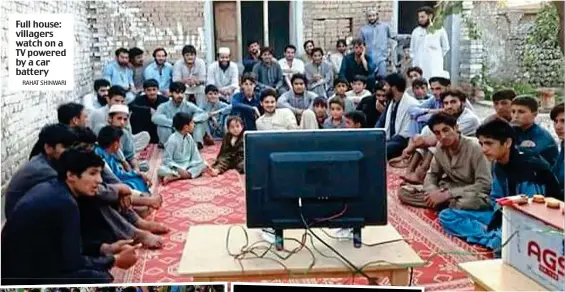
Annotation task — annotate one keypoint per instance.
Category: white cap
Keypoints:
(224, 51)
(442, 74)
(119, 108)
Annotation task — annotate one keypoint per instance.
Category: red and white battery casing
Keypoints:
(538, 246)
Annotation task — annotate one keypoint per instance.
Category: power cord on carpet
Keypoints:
(247, 249)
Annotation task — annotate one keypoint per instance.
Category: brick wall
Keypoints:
(327, 21)
(147, 25)
(24, 113)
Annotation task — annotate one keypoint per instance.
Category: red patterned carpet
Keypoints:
(220, 200)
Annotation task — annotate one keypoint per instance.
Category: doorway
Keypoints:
(407, 16)
(252, 16)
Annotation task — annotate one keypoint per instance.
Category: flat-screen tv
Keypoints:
(333, 178)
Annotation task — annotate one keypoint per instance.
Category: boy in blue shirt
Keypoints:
(513, 173)
(531, 137)
(217, 111)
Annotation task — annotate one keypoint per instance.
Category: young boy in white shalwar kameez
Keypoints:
(181, 159)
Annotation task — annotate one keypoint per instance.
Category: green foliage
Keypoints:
(542, 46)
(443, 9)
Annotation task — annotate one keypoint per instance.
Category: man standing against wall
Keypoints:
(376, 34)
(428, 46)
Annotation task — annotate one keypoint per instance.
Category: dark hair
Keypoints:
(231, 119)
(396, 80)
(249, 76)
(442, 118)
(116, 90)
(264, 50)
(249, 43)
(504, 94)
(556, 110)
(341, 80)
(337, 101)
(66, 112)
(134, 52)
(320, 101)
(289, 47)
(85, 135)
(306, 43)
(341, 42)
(177, 87)
(317, 49)
(211, 88)
(157, 50)
(359, 78)
(52, 135)
(77, 161)
(455, 92)
(427, 9)
(357, 117)
(298, 76)
(441, 80)
(379, 86)
(109, 135)
(181, 119)
(527, 101)
(188, 49)
(357, 42)
(498, 130)
(268, 92)
(420, 82)
(414, 69)
(150, 83)
(101, 83)
(120, 51)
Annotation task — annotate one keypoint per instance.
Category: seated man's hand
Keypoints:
(116, 247)
(183, 173)
(123, 190)
(406, 153)
(437, 197)
(127, 257)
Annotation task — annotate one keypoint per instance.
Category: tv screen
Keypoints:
(331, 171)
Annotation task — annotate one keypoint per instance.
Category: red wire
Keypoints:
(318, 220)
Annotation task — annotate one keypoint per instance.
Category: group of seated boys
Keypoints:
(77, 208)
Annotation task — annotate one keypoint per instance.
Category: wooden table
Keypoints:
(206, 258)
(494, 275)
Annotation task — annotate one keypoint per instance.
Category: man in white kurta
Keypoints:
(224, 74)
(428, 46)
(290, 65)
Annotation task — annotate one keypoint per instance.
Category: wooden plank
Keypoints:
(494, 275)
(205, 254)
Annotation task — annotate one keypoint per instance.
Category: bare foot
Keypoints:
(152, 226)
(143, 212)
(412, 178)
(167, 179)
(156, 201)
(149, 240)
(398, 162)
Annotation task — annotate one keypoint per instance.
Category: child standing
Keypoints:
(217, 111)
(358, 91)
(336, 120)
(181, 159)
(231, 153)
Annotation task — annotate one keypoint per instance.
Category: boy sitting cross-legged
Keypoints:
(181, 159)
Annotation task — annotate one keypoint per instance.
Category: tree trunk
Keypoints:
(560, 5)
